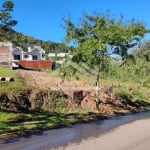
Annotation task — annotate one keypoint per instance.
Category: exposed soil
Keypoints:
(109, 104)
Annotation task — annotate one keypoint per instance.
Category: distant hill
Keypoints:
(21, 40)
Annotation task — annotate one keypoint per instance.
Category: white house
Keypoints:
(33, 53)
(51, 55)
(62, 55)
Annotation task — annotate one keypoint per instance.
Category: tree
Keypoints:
(142, 57)
(98, 31)
(6, 21)
(97, 36)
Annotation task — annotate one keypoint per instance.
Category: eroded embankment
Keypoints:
(47, 99)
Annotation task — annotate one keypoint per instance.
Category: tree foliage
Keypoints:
(102, 32)
(142, 68)
(6, 20)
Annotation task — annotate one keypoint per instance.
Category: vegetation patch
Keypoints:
(12, 122)
(13, 86)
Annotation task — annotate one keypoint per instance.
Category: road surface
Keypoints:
(132, 136)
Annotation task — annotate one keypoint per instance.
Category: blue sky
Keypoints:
(42, 19)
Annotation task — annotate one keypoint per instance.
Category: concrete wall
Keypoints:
(5, 53)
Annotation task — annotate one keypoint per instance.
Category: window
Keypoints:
(34, 57)
(26, 56)
(16, 57)
(43, 55)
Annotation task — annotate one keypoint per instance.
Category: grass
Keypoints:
(12, 122)
(4, 71)
(12, 86)
(4, 116)
(130, 88)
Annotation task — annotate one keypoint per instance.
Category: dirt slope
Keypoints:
(108, 105)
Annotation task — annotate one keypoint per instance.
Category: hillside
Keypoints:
(108, 104)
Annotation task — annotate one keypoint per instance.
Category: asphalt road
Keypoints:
(130, 132)
(132, 136)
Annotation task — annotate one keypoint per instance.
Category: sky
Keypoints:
(42, 19)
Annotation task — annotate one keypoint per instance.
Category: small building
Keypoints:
(5, 53)
(62, 55)
(32, 53)
(51, 55)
